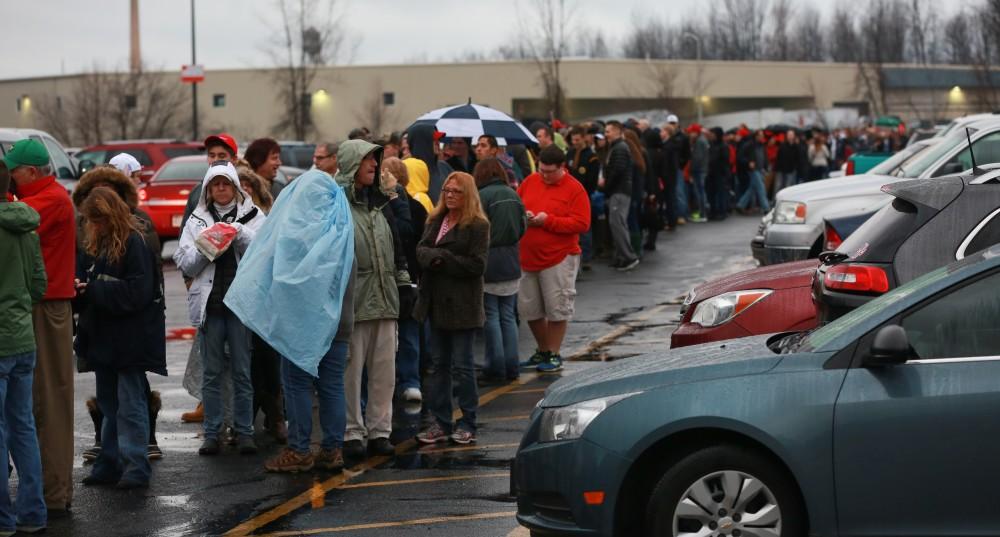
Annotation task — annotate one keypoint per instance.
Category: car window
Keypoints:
(963, 323)
(140, 154)
(984, 235)
(927, 158)
(97, 157)
(172, 152)
(5, 147)
(986, 150)
(889, 165)
(63, 168)
(183, 171)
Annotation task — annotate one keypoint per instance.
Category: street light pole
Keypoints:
(194, 85)
(698, 90)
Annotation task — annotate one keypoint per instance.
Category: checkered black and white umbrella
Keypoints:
(472, 121)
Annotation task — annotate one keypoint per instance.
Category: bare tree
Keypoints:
(142, 104)
(779, 43)
(374, 113)
(737, 29)
(546, 40)
(649, 37)
(843, 36)
(54, 117)
(958, 47)
(310, 35)
(809, 42)
(923, 32)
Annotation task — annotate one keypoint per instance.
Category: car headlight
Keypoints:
(719, 309)
(569, 422)
(790, 212)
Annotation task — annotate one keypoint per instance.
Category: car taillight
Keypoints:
(856, 278)
(143, 196)
(832, 239)
(850, 167)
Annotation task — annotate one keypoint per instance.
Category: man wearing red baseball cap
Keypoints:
(220, 146)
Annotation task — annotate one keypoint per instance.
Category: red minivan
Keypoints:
(150, 153)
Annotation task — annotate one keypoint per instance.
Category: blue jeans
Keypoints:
(408, 355)
(501, 336)
(329, 388)
(121, 396)
(218, 330)
(20, 443)
(452, 362)
(701, 199)
(755, 190)
(587, 242)
(683, 207)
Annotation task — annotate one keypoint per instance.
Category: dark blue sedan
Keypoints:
(884, 422)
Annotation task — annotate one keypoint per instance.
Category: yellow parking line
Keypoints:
(613, 335)
(422, 480)
(423, 451)
(505, 418)
(380, 525)
(306, 498)
(529, 390)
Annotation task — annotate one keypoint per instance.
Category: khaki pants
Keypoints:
(52, 399)
(373, 345)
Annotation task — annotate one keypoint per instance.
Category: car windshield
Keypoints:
(891, 164)
(185, 170)
(844, 325)
(918, 165)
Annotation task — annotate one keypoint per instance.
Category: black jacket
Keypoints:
(451, 287)
(122, 325)
(788, 158)
(421, 141)
(618, 172)
(585, 166)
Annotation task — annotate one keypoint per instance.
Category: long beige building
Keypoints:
(389, 97)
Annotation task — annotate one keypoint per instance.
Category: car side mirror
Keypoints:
(85, 166)
(890, 347)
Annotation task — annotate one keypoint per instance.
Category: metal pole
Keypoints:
(194, 85)
(698, 90)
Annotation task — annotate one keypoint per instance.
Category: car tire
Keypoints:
(692, 494)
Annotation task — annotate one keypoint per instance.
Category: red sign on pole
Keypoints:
(192, 74)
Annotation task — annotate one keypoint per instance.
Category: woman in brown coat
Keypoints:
(452, 255)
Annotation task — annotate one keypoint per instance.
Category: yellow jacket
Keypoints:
(419, 179)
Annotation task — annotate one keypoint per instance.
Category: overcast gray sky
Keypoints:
(46, 37)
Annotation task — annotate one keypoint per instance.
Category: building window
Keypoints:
(219, 100)
(388, 98)
(130, 101)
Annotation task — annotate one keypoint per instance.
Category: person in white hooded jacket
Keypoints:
(224, 200)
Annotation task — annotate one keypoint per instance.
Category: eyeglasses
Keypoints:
(552, 171)
(452, 191)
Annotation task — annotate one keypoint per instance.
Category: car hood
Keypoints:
(721, 359)
(781, 276)
(841, 187)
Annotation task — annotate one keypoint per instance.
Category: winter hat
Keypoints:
(28, 152)
(693, 128)
(125, 163)
(672, 119)
(743, 132)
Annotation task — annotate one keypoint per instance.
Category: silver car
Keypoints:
(793, 230)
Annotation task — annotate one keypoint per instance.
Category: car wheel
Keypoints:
(725, 490)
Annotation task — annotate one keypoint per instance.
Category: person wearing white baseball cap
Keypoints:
(128, 165)
(673, 119)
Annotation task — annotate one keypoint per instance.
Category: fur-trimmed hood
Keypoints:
(106, 176)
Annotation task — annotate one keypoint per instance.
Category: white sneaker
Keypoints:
(412, 395)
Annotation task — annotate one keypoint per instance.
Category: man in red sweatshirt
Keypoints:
(558, 211)
(35, 185)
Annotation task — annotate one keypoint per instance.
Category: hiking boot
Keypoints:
(330, 459)
(209, 447)
(228, 434)
(153, 452)
(432, 435)
(195, 416)
(553, 364)
(246, 445)
(354, 449)
(462, 436)
(535, 359)
(290, 460)
(381, 446)
(90, 454)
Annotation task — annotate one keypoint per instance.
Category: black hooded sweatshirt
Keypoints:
(421, 141)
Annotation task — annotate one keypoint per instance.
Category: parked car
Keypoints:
(297, 154)
(764, 300)
(863, 162)
(929, 223)
(879, 423)
(64, 166)
(793, 229)
(150, 153)
(165, 195)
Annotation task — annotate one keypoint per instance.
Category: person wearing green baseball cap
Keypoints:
(35, 185)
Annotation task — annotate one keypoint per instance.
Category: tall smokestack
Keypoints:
(135, 57)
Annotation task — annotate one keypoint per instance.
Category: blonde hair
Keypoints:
(396, 167)
(258, 190)
(103, 206)
(472, 208)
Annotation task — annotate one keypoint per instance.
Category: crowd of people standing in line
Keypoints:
(422, 240)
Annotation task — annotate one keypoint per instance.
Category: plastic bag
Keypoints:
(215, 240)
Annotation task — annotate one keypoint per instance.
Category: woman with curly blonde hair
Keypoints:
(257, 187)
(121, 333)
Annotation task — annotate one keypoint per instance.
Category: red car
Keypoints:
(764, 300)
(150, 153)
(165, 195)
